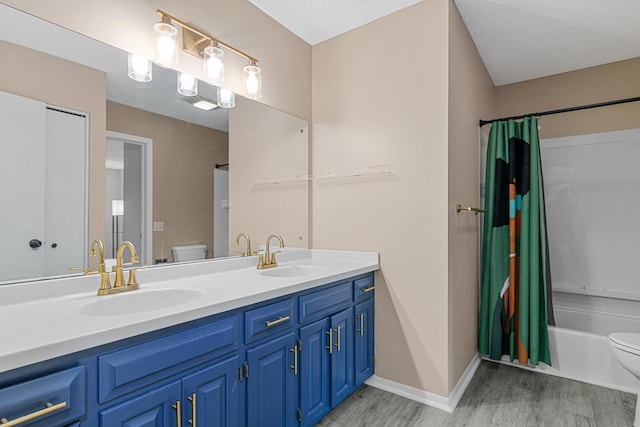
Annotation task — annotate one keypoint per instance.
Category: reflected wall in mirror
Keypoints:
(60, 68)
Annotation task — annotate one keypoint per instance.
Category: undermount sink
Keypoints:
(139, 301)
(294, 271)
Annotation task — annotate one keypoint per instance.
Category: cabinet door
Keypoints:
(364, 341)
(272, 392)
(157, 408)
(315, 391)
(215, 395)
(342, 373)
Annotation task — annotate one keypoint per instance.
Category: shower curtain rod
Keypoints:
(565, 110)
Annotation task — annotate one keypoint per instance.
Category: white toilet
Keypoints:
(626, 347)
(189, 252)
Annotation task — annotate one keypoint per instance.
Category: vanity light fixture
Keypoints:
(166, 43)
(187, 85)
(139, 68)
(211, 51)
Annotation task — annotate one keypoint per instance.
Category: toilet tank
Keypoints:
(189, 252)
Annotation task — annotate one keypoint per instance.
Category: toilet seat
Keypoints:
(626, 341)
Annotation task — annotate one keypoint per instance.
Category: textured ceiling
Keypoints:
(315, 21)
(523, 40)
(517, 39)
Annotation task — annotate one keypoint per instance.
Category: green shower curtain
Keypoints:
(515, 279)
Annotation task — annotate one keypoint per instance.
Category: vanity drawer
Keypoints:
(363, 288)
(264, 321)
(59, 398)
(325, 302)
(134, 367)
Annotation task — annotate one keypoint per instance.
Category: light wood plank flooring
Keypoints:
(498, 395)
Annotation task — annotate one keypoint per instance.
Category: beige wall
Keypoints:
(184, 156)
(471, 96)
(266, 146)
(380, 95)
(128, 24)
(58, 82)
(592, 85)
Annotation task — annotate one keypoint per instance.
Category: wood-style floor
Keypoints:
(498, 395)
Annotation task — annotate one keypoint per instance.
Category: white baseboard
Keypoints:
(447, 404)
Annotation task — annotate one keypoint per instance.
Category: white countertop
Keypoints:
(49, 318)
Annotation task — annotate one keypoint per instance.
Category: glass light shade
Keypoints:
(253, 81)
(166, 44)
(213, 65)
(226, 98)
(139, 68)
(187, 85)
(117, 207)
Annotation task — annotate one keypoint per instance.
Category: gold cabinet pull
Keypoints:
(279, 320)
(240, 375)
(338, 343)
(330, 346)
(246, 370)
(361, 319)
(176, 406)
(295, 359)
(369, 289)
(192, 399)
(50, 407)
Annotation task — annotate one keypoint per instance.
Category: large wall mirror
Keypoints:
(87, 153)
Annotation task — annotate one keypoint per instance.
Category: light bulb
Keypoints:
(139, 68)
(252, 83)
(253, 80)
(214, 65)
(166, 43)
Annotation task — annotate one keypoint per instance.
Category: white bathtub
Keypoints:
(582, 354)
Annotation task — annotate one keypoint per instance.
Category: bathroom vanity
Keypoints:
(219, 343)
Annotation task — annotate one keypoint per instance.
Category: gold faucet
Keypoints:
(268, 259)
(105, 284)
(246, 236)
(119, 285)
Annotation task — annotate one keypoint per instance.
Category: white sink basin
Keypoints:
(293, 271)
(139, 301)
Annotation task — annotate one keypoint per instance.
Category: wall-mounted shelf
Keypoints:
(281, 182)
(366, 174)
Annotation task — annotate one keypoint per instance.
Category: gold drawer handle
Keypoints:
(192, 399)
(49, 409)
(330, 346)
(280, 319)
(369, 289)
(176, 406)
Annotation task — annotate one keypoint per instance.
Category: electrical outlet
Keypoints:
(158, 225)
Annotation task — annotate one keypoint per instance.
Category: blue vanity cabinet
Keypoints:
(52, 400)
(215, 395)
(285, 362)
(272, 383)
(327, 356)
(160, 407)
(342, 357)
(364, 341)
(315, 371)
